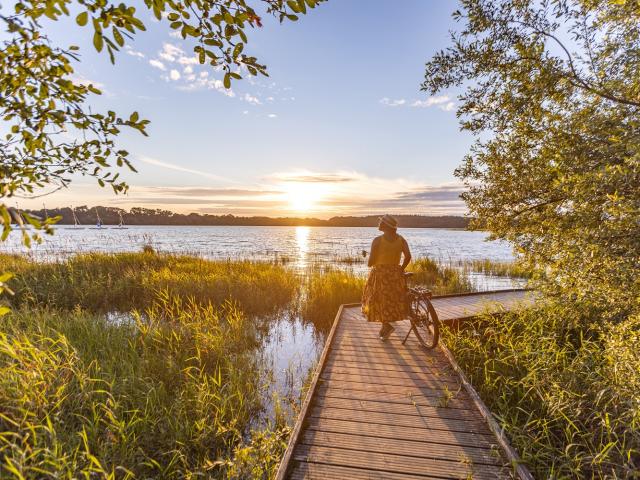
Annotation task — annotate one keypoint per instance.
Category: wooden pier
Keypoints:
(383, 410)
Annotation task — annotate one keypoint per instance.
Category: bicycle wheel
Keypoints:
(425, 323)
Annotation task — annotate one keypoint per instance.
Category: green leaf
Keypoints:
(98, 41)
(117, 36)
(5, 277)
(227, 80)
(82, 19)
(293, 5)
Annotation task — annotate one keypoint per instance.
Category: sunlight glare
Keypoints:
(304, 197)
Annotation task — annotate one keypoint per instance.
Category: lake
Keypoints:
(298, 246)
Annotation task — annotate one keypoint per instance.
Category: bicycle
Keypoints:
(423, 317)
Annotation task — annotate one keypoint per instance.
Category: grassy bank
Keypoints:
(121, 282)
(565, 385)
(159, 398)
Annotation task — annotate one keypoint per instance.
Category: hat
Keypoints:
(389, 221)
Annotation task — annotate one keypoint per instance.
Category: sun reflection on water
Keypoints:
(302, 244)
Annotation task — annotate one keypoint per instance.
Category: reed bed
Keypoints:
(325, 290)
(439, 278)
(105, 282)
(328, 287)
(173, 388)
(167, 396)
(496, 268)
(564, 385)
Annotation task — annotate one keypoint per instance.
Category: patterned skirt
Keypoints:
(385, 295)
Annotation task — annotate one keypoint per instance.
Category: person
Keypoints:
(384, 298)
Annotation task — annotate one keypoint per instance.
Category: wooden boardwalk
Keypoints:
(383, 410)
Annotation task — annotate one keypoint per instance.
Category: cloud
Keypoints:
(157, 64)
(251, 99)
(440, 193)
(447, 107)
(79, 79)
(309, 177)
(443, 102)
(430, 101)
(179, 168)
(170, 52)
(213, 192)
(272, 115)
(185, 70)
(355, 193)
(392, 103)
(133, 53)
(329, 192)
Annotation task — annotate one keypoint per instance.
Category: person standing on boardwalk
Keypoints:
(384, 298)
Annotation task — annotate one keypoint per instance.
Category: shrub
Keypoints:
(568, 395)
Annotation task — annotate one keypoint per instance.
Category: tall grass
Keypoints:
(104, 282)
(169, 396)
(439, 278)
(326, 289)
(497, 268)
(566, 387)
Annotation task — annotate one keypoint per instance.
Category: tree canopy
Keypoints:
(49, 131)
(551, 91)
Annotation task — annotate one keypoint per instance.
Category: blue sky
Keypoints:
(340, 126)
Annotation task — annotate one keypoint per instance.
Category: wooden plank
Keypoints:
(445, 437)
(390, 369)
(391, 462)
(393, 419)
(408, 447)
(383, 360)
(410, 409)
(320, 471)
(407, 381)
(436, 398)
(436, 389)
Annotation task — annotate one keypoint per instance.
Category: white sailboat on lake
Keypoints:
(76, 222)
(120, 225)
(98, 219)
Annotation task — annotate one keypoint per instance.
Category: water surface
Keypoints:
(297, 246)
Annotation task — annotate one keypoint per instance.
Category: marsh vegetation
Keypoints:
(146, 365)
(149, 365)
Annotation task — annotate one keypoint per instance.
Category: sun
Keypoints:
(303, 196)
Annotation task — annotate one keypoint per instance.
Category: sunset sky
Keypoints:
(340, 127)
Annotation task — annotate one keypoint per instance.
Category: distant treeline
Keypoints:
(149, 216)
